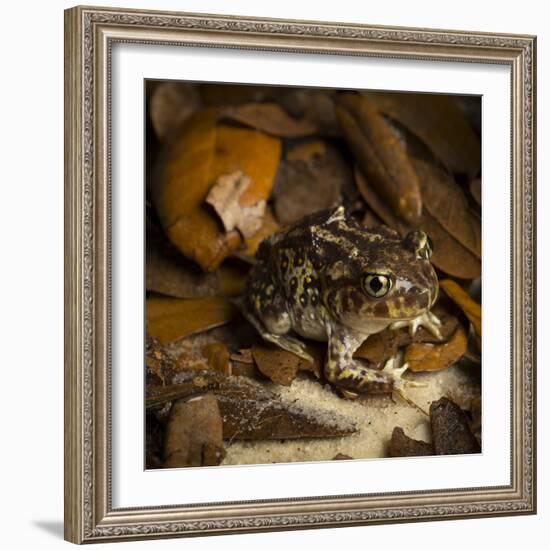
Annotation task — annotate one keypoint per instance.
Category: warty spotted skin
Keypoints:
(329, 279)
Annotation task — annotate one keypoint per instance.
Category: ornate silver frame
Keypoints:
(89, 35)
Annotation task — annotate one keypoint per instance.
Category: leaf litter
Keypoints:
(238, 163)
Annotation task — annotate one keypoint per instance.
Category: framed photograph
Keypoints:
(300, 274)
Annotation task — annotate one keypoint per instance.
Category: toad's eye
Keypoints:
(376, 285)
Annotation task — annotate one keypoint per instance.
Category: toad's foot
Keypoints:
(427, 320)
(395, 373)
(354, 379)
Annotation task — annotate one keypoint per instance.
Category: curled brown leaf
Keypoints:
(447, 203)
(449, 255)
(438, 121)
(269, 118)
(381, 156)
(434, 357)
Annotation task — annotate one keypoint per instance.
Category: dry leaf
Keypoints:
(307, 151)
(451, 433)
(316, 106)
(434, 357)
(379, 347)
(371, 220)
(160, 368)
(194, 433)
(381, 156)
(402, 445)
(235, 94)
(438, 121)
(243, 356)
(169, 319)
(282, 366)
(168, 272)
(309, 179)
(447, 203)
(203, 151)
(217, 356)
(250, 411)
(460, 297)
(225, 196)
(377, 204)
(242, 364)
(269, 227)
(306, 105)
(277, 364)
(342, 456)
(269, 118)
(153, 442)
(475, 190)
(449, 255)
(231, 279)
(170, 104)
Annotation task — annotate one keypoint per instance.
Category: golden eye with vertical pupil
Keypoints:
(376, 284)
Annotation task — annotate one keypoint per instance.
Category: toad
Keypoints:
(330, 279)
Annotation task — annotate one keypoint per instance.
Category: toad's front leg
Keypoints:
(345, 372)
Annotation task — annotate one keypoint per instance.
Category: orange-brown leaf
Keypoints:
(277, 364)
(281, 366)
(169, 319)
(434, 357)
(217, 356)
(203, 151)
(460, 297)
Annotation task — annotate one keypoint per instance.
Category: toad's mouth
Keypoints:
(369, 324)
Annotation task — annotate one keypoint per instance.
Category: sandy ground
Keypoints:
(374, 416)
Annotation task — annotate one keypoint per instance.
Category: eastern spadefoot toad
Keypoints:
(330, 279)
